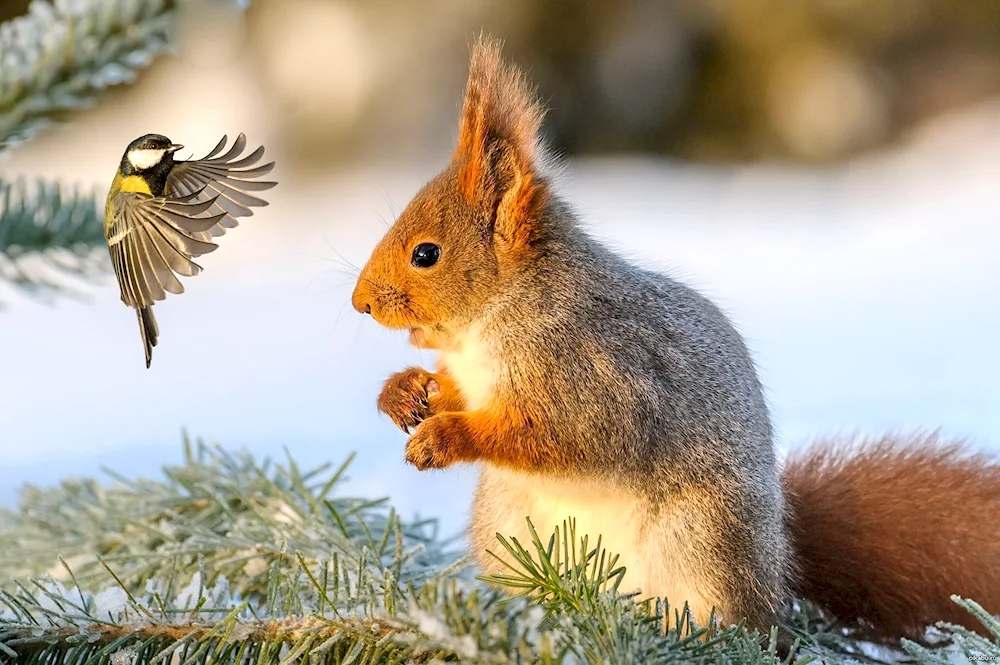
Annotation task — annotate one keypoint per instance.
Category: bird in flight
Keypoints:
(162, 213)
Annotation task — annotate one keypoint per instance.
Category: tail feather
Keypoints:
(149, 330)
(887, 531)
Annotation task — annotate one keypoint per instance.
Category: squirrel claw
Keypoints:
(405, 398)
(429, 447)
(421, 459)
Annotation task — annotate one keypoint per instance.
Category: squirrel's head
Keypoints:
(466, 230)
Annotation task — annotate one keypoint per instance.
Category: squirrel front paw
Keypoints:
(438, 442)
(406, 397)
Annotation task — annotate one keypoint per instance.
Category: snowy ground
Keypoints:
(868, 294)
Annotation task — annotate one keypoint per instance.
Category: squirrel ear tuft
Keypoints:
(498, 146)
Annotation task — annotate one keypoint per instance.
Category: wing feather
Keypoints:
(150, 239)
(162, 270)
(140, 266)
(176, 257)
(228, 178)
(218, 148)
(181, 241)
(124, 283)
(173, 257)
(237, 148)
(252, 158)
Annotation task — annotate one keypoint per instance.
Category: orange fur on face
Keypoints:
(484, 211)
(400, 295)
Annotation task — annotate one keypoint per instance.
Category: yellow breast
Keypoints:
(124, 183)
(134, 183)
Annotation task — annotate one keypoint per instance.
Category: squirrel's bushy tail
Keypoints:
(886, 531)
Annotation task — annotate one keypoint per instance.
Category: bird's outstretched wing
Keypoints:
(152, 239)
(228, 178)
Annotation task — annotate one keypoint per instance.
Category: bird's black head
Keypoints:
(152, 154)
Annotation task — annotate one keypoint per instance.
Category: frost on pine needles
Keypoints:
(227, 559)
(61, 55)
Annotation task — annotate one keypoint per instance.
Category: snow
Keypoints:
(430, 625)
(867, 292)
(190, 595)
(464, 646)
(217, 597)
(110, 604)
(126, 656)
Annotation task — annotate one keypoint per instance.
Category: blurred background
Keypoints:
(827, 171)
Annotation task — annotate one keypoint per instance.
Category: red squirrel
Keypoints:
(587, 387)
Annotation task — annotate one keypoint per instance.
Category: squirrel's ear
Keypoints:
(498, 145)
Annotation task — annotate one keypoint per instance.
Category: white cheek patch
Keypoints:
(145, 158)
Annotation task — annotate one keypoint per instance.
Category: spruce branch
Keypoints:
(225, 511)
(46, 231)
(228, 559)
(62, 55)
(975, 648)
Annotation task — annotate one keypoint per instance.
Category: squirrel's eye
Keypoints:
(425, 255)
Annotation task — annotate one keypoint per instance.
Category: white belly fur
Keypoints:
(471, 364)
(658, 556)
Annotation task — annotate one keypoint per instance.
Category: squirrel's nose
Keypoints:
(360, 301)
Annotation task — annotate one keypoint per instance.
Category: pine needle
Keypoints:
(228, 559)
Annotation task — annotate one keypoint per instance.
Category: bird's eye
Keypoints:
(425, 255)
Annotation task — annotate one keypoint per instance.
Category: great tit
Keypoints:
(161, 213)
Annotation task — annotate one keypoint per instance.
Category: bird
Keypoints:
(161, 213)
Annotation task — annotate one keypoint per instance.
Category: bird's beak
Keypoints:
(174, 147)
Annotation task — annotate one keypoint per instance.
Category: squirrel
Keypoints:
(588, 388)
